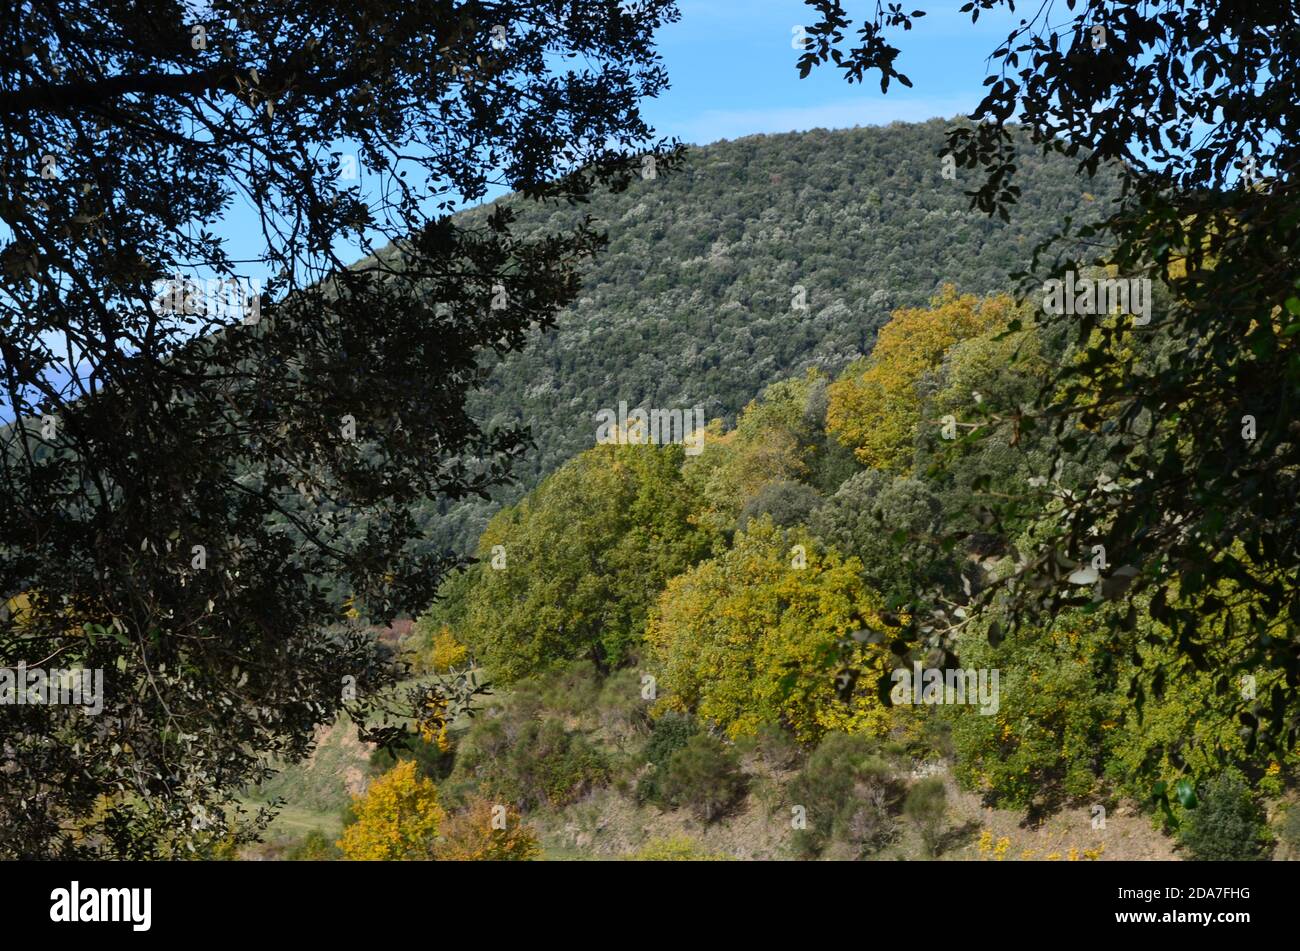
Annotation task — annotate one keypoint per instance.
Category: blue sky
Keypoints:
(733, 73)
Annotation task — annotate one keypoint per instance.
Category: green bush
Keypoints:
(1227, 825)
(530, 763)
(848, 797)
(556, 767)
(620, 707)
(432, 762)
(705, 777)
(1059, 703)
(670, 733)
(925, 806)
(1289, 831)
(777, 747)
(572, 690)
(315, 846)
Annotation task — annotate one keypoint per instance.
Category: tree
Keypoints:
(572, 570)
(742, 638)
(197, 470)
(893, 526)
(1077, 722)
(787, 504)
(398, 818)
(771, 443)
(1192, 108)
(875, 406)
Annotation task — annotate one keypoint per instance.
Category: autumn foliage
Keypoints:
(398, 818)
(487, 832)
(875, 408)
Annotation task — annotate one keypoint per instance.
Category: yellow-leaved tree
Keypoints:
(772, 443)
(874, 407)
(398, 818)
(753, 636)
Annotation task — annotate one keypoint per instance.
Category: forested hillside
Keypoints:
(702, 656)
(693, 303)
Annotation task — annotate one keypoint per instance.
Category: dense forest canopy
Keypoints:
(757, 259)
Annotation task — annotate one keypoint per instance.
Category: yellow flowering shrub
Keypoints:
(675, 848)
(445, 651)
(398, 818)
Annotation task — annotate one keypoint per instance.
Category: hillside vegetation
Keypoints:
(760, 258)
(695, 657)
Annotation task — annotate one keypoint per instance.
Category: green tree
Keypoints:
(761, 461)
(580, 560)
(202, 472)
(1191, 110)
(743, 638)
(895, 527)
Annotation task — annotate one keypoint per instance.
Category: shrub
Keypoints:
(315, 846)
(620, 706)
(677, 848)
(848, 796)
(530, 763)
(445, 651)
(397, 818)
(486, 832)
(1289, 832)
(925, 806)
(705, 777)
(670, 733)
(562, 766)
(776, 747)
(572, 690)
(432, 761)
(1058, 710)
(1227, 825)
